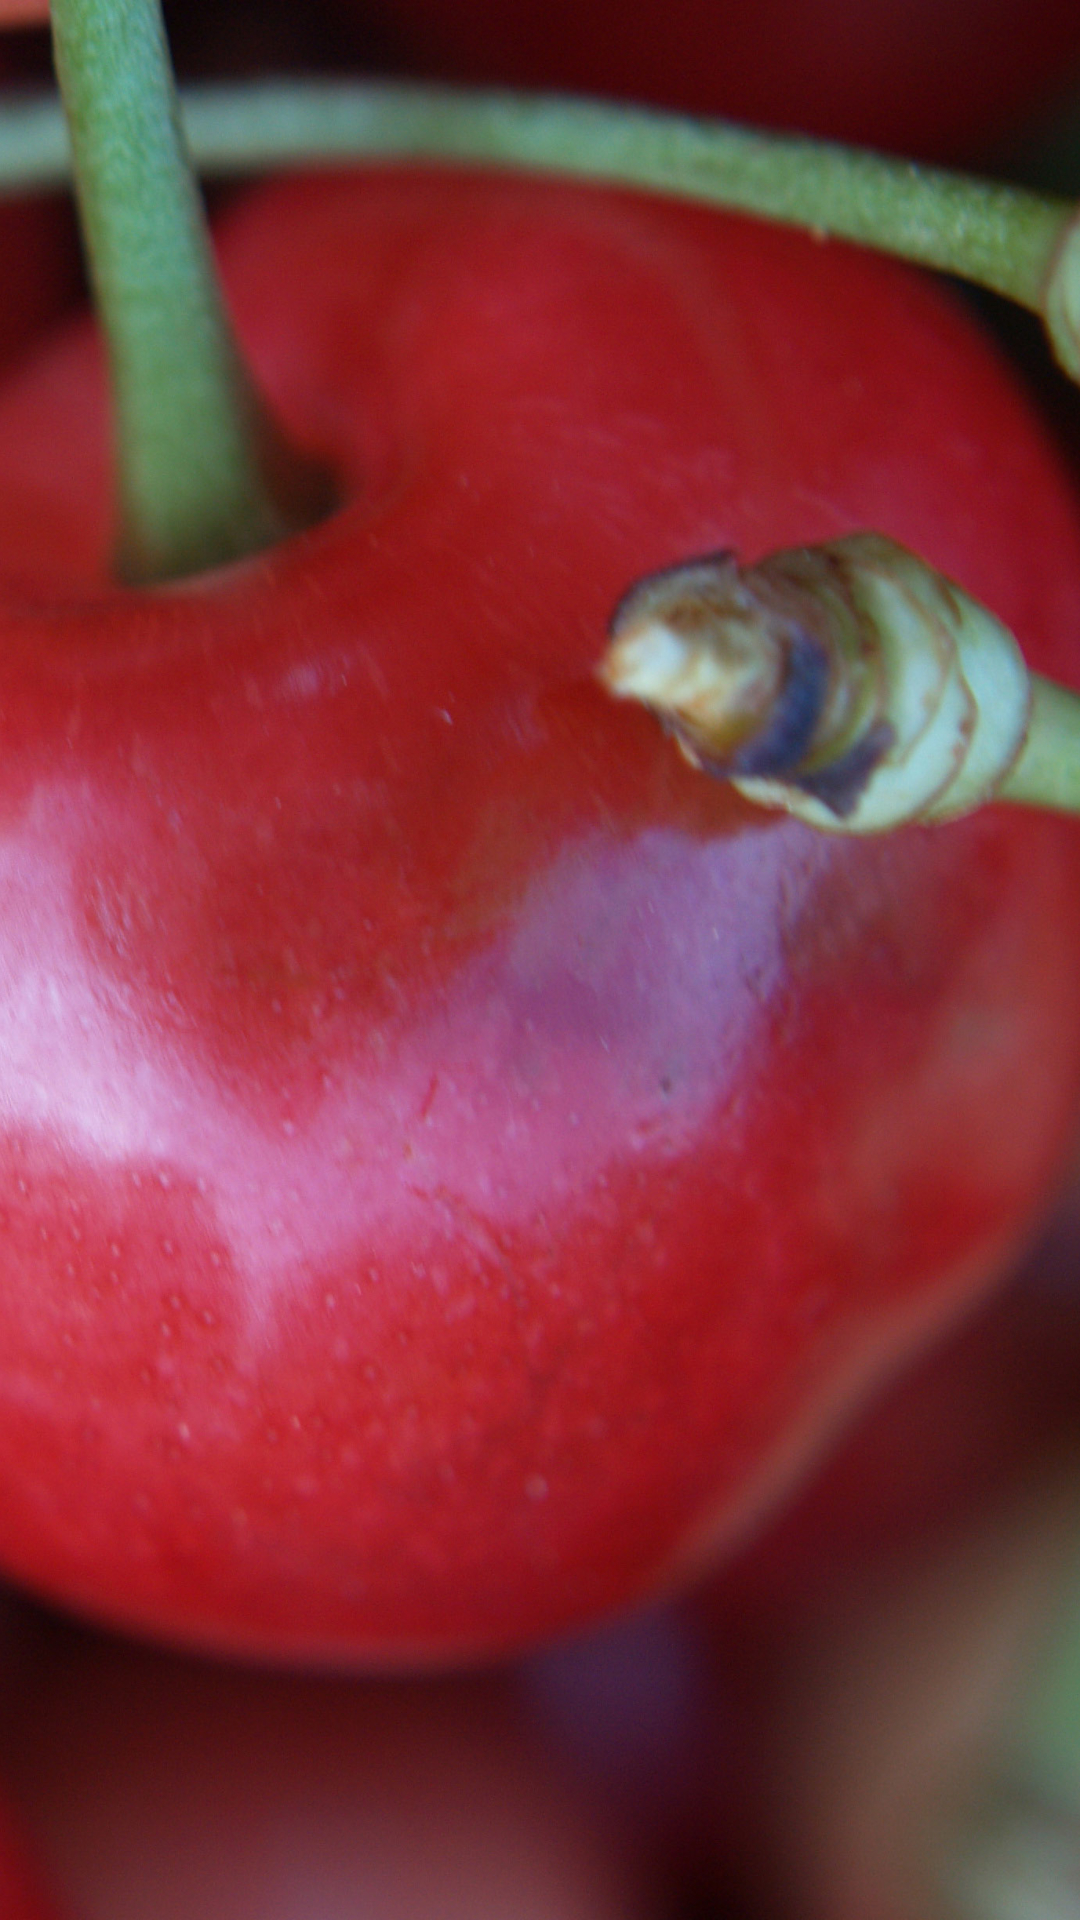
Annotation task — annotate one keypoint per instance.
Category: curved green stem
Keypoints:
(193, 450)
(1004, 238)
(999, 236)
(1047, 773)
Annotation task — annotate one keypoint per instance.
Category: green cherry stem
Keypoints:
(1018, 243)
(1006, 239)
(198, 464)
(1047, 772)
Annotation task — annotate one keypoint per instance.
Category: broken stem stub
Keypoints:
(850, 684)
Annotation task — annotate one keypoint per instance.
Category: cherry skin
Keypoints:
(454, 1157)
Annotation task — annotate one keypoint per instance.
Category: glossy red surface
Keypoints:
(449, 1149)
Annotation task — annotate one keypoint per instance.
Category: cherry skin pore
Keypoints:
(453, 1156)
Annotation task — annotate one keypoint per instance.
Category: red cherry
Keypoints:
(454, 1157)
(165, 1788)
(941, 78)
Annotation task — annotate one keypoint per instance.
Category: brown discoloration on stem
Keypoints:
(849, 683)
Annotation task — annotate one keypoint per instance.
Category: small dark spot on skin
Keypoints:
(840, 786)
(778, 749)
